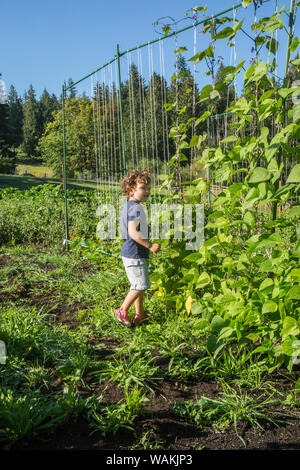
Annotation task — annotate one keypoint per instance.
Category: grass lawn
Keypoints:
(37, 170)
(27, 182)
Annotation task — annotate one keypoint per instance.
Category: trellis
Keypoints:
(116, 150)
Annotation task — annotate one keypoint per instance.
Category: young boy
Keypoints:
(136, 186)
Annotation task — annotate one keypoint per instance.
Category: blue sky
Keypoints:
(44, 43)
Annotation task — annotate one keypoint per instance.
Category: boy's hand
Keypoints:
(155, 247)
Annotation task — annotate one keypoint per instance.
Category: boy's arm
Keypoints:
(136, 236)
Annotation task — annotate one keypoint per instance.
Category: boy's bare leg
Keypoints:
(130, 298)
(139, 307)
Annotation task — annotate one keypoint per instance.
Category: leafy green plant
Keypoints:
(28, 416)
(131, 371)
(149, 441)
(243, 282)
(36, 215)
(232, 407)
(110, 418)
(36, 377)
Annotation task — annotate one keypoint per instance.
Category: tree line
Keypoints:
(93, 132)
(23, 121)
(34, 126)
(149, 109)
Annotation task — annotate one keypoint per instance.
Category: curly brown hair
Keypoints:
(133, 178)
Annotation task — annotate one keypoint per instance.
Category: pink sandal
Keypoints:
(122, 316)
(137, 319)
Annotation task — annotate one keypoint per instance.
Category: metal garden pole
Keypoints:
(65, 166)
(208, 169)
(289, 41)
(285, 84)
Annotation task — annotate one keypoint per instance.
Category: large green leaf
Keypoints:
(275, 22)
(267, 285)
(225, 33)
(249, 218)
(294, 44)
(272, 45)
(223, 173)
(226, 332)
(217, 323)
(294, 176)
(237, 25)
(269, 306)
(295, 211)
(259, 174)
(212, 343)
(290, 327)
(257, 72)
(296, 112)
(229, 140)
(202, 118)
(294, 293)
(203, 280)
(206, 91)
(245, 3)
(202, 54)
(227, 70)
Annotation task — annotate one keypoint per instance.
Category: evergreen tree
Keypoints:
(133, 99)
(46, 107)
(7, 156)
(15, 117)
(105, 120)
(30, 123)
(72, 92)
(4, 122)
(156, 122)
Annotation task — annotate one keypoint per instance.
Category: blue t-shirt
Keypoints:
(130, 248)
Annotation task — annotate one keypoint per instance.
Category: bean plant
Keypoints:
(242, 285)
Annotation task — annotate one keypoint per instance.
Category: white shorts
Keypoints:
(137, 272)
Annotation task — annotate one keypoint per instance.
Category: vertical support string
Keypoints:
(155, 163)
(193, 150)
(99, 136)
(141, 91)
(131, 93)
(144, 117)
(130, 108)
(120, 146)
(162, 103)
(165, 111)
(95, 132)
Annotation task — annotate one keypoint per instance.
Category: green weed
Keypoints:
(232, 407)
(131, 371)
(110, 418)
(27, 417)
